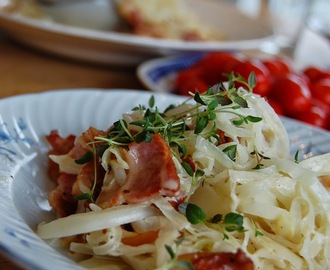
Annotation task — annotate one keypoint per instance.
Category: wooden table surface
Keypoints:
(24, 70)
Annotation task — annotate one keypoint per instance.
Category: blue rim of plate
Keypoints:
(159, 74)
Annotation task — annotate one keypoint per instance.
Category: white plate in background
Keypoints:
(24, 184)
(95, 44)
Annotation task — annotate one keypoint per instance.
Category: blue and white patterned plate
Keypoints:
(24, 185)
(159, 74)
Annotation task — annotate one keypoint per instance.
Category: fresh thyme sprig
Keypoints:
(88, 196)
(220, 98)
(259, 158)
(194, 174)
(175, 262)
(231, 222)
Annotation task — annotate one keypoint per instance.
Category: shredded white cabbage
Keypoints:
(66, 163)
(95, 220)
(285, 208)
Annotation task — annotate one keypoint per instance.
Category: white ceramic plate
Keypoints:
(94, 43)
(24, 185)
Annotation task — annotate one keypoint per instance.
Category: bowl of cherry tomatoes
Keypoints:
(303, 95)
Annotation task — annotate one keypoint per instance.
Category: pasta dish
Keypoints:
(205, 184)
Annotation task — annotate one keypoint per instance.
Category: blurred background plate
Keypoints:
(159, 74)
(93, 43)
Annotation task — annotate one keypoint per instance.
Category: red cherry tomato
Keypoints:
(291, 91)
(262, 75)
(215, 65)
(317, 114)
(321, 90)
(315, 73)
(277, 66)
(189, 80)
(276, 106)
(284, 63)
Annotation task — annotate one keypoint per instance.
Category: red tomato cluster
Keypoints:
(303, 95)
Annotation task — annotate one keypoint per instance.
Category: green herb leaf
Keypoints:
(195, 214)
(258, 233)
(296, 157)
(188, 168)
(252, 80)
(152, 101)
(183, 149)
(83, 196)
(216, 218)
(140, 123)
(212, 116)
(200, 125)
(241, 102)
(143, 136)
(199, 173)
(231, 151)
(170, 251)
(119, 125)
(238, 122)
(198, 99)
(100, 149)
(170, 107)
(88, 156)
(253, 119)
(233, 222)
(223, 101)
(212, 105)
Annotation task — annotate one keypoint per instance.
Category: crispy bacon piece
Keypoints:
(82, 143)
(61, 199)
(59, 146)
(85, 178)
(222, 137)
(151, 173)
(68, 185)
(219, 261)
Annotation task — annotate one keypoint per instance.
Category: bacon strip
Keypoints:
(61, 199)
(68, 185)
(151, 173)
(219, 261)
(59, 146)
